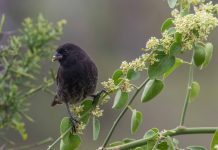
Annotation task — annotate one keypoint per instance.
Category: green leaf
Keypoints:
(120, 99)
(64, 127)
(136, 120)
(175, 48)
(117, 75)
(96, 128)
(195, 90)
(152, 89)
(17, 122)
(74, 143)
(132, 75)
(151, 134)
(20, 126)
(209, 53)
(178, 37)
(196, 148)
(163, 146)
(170, 143)
(214, 142)
(171, 31)
(163, 65)
(151, 144)
(86, 105)
(167, 24)
(199, 54)
(178, 63)
(172, 3)
(2, 22)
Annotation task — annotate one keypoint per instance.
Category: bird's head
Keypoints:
(67, 53)
(60, 55)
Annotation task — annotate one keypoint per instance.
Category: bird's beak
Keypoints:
(57, 56)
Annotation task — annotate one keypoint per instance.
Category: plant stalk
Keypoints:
(187, 98)
(43, 142)
(172, 132)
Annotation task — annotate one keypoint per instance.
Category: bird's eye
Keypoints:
(64, 52)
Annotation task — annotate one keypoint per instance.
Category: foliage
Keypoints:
(187, 30)
(183, 32)
(20, 59)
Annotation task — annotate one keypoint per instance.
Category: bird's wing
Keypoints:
(59, 78)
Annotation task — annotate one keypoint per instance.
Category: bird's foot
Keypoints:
(73, 119)
(74, 123)
(97, 96)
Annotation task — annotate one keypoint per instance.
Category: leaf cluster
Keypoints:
(20, 59)
(160, 59)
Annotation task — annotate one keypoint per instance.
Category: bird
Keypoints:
(76, 78)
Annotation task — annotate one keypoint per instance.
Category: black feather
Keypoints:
(76, 77)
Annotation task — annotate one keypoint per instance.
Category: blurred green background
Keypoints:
(112, 31)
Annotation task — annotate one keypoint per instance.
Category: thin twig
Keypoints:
(187, 98)
(43, 142)
(59, 138)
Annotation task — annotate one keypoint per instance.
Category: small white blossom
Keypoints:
(109, 85)
(152, 43)
(97, 111)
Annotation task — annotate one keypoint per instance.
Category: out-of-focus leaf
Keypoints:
(74, 143)
(209, 53)
(86, 105)
(136, 120)
(199, 54)
(151, 134)
(96, 128)
(120, 99)
(152, 89)
(163, 146)
(178, 63)
(117, 75)
(195, 90)
(163, 65)
(64, 127)
(133, 75)
(214, 142)
(172, 3)
(178, 37)
(175, 48)
(170, 143)
(167, 24)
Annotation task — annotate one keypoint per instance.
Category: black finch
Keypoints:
(76, 78)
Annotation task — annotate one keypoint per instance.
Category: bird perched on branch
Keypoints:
(76, 77)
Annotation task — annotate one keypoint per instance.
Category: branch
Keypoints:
(122, 113)
(43, 142)
(59, 138)
(172, 132)
(187, 98)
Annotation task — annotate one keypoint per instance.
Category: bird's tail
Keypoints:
(55, 101)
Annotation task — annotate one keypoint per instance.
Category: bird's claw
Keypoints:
(74, 123)
(97, 96)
